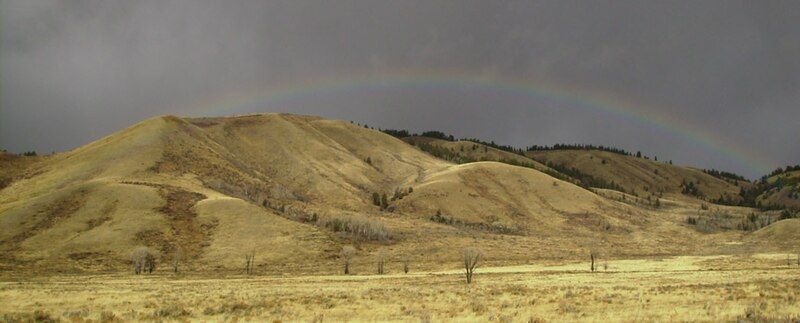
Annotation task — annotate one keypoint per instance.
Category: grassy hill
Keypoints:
(14, 167)
(295, 189)
(643, 177)
(781, 191)
(780, 236)
(462, 151)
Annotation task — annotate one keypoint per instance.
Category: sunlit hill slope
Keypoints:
(295, 189)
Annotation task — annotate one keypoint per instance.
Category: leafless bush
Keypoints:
(471, 258)
(143, 260)
(176, 260)
(347, 256)
(720, 220)
(381, 263)
(359, 228)
(406, 261)
(249, 262)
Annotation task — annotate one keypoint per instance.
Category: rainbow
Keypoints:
(235, 101)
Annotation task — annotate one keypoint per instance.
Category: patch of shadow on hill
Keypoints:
(224, 175)
(187, 233)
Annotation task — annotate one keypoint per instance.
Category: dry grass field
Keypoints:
(760, 287)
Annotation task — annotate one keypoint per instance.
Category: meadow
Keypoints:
(755, 287)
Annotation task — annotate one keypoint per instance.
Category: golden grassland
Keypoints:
(690, 288)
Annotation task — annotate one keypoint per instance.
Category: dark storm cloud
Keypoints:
(74, 71)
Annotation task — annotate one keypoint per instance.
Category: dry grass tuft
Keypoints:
(171, 311)
(38, 316)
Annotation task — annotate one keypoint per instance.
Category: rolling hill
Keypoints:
(643, 177)
(14, 167)
(295, 189)
(462, 151)
(781, 190)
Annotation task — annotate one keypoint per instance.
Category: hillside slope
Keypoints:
(782, 235)
(294, 189)
(462, 151)
(14, 167)
(90, 207)
(782, 191)
(641, 176)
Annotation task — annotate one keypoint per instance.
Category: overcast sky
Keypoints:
(74, 71)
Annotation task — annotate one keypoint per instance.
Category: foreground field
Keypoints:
(716, 288)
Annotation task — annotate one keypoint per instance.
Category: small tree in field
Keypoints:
(347, 256)
(471, 258)
(249, 262)
(405, 264)
(381, 263)
(176, 260)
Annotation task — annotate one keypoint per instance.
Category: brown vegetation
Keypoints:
(358, 228)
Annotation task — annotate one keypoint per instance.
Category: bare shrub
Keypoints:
(143, 260)
(406, 261)
(176, 260)
(471, 258)
(359, 228)
(381, 263)
(720, 220)
(249, 262)
(754, 222)
(347, 256)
